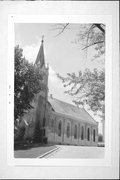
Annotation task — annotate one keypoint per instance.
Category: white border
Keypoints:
(107, 19)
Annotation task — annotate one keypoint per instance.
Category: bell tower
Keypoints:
(42, 96)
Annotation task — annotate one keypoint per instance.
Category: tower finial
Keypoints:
(42, 38)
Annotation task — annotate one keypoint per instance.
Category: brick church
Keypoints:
(58, 122)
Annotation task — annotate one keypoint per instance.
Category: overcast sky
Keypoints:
(62, 54)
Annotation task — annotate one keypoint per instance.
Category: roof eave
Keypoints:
(71, 117)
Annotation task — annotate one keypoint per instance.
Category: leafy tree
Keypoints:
(92, 35)
(27, 83)
(87, 88)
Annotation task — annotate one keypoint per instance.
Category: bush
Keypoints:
(100, 138)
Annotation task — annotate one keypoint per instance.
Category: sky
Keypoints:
(61, 52)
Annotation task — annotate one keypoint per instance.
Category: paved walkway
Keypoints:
(62, 151)
(77, 152)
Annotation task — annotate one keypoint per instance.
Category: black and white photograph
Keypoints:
(59, 90)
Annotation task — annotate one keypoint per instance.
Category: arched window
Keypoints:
(59, 128)
(68, 130)
(79, 131)
(75, 132)
(82, 133)
(88, 134)
(94, 135)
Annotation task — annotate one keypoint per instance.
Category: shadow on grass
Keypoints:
(25, 146)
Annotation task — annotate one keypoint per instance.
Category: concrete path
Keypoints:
(77, 152)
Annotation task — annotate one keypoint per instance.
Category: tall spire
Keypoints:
(40, 60)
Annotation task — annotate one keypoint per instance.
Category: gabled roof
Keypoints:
(71, 111)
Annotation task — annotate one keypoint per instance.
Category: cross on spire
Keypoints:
(42, 39)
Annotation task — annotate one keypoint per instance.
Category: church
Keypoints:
(58, 122)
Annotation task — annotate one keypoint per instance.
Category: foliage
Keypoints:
(88, 35)
(27, 83)
(19, 134)
(92, 35)
(87, 88)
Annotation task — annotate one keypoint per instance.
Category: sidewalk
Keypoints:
(33, 152)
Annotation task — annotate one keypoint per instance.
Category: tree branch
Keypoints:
(62, 29)
(99, 27)
(93, 44)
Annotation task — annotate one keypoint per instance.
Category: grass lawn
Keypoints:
(32, 151)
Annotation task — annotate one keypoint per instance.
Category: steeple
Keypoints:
(44, 69)
(40, 60)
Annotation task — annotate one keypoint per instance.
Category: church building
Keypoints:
(59, 122)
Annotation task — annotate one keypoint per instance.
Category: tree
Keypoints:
(89, 35)
(87, 88)
(27, 83)
(92, 35)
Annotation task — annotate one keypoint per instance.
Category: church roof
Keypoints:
(70, 110)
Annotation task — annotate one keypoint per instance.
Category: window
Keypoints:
(75, 132)
(79, 131)
(82, 133)
(88, 134)
(59, 128)
(94, 135)
(68, 130)
(44, 121)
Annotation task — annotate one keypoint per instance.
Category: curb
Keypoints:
(49, 152)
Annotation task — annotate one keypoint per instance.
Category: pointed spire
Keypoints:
(40, 60)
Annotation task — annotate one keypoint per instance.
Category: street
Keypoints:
(77, 152)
